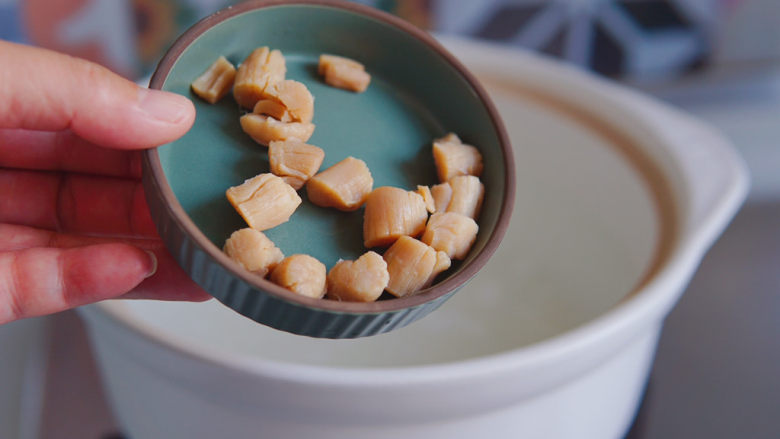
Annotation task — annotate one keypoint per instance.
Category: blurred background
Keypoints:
(716, 370)
(634, 39)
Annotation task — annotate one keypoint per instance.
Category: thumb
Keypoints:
(48, 91)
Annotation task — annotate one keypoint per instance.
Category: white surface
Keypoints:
(594, 235)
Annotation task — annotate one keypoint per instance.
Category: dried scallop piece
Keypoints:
(264, 201)
(301, 274)
(390, 213)
(252, 250)
(344, 185)
(413, 265)
(215, 82)
(266, 129)
(263, 67)
(344, 73)
(454, 158)
(451, 232)
(295, 161)
(362, 280)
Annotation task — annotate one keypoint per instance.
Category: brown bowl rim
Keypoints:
(180, 216)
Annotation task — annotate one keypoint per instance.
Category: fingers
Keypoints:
(74, 203)
(40, 281)
(44, 90)
(14, 237)
(168, 283)
(63, 150)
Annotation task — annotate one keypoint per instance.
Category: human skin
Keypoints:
(74, 225)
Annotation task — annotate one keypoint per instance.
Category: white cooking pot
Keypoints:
(619, 197)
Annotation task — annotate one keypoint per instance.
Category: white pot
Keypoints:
(619, 197)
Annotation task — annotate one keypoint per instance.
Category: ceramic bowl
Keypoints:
(618, 199)
(418, 92)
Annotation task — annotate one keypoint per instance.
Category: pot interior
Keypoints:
(585, 233)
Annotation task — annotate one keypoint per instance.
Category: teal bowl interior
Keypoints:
(416, 94)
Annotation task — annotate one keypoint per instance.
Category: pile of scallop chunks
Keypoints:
(281, 119)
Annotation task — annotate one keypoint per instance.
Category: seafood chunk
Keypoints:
(260, 69)
(344, 73)
(442, 195)
(215, 82)
(392, 212)
(265, 129)
(267, 107)
(413, 265)
(362, 280)
(295, 97)
(252, 250)
(462, 194)
(294, 161)
(344, 185)
(301, 274)
(264, 201)
(451, 232)
(453, 158)
(430, 203)
(327, 61)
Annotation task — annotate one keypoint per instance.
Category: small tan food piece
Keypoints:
(430, 203)
(344, 185)
(260, 69)
(413, 265)
(294, 161)
(390, 213)
(453, 158)
(344, 73)
(295, 97)
(451, 232)
(467, 195)
(327, 61)
(341, 76)
(265, 129)
(267, 107)
(264, 201)
(462, 194)
(360, 281)
(301, 274)
(216, 81)
(253, 251)
(442, 194)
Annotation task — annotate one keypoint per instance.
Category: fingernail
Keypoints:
(164, 106)
(153, 260)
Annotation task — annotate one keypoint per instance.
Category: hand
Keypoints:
(74, 225)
